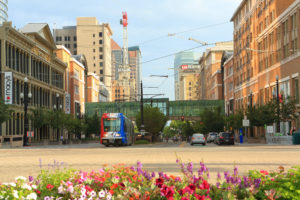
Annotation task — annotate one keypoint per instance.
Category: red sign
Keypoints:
(184, 67)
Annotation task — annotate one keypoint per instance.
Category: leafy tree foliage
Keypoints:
(154, 120)
(4, 112)
(93, 125)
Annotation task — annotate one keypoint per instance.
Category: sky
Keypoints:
(150, 22)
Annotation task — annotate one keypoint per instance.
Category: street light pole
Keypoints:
(27, 97)
(142, 108)
(277, 101)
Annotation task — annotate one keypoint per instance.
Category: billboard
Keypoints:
(8, 87)
(68, 103)
(186, 67)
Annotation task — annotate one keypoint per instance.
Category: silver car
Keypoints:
(198, 138)
(212, 136)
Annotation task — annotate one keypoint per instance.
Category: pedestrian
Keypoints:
(62, 138)
(167, 138)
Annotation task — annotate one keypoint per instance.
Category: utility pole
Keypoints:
(142, 109)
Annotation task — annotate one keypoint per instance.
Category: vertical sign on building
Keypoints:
(68, 103)
(8, 87)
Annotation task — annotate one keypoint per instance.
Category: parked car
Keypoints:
(211, 137)
(225, 138)
(198, 138)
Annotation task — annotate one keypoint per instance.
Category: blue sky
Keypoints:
(150, 21)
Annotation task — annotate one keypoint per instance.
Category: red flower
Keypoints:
(122, 186)
(167, 192)
(264, 172)
(192, 187)
(111, 192)
(185, 198)
(159, 182)
(114, 186)
(49, 187)
(88, 188)
(204, 185)
(199, 197)
(38, 192)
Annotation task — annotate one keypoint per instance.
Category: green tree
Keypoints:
(4, 112)
(39, 117)
(154, 120)
(93, 125)
(288, 109)
(212, 120)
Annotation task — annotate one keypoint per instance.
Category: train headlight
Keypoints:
(118, 135)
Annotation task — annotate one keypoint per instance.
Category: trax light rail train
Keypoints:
(116, 130)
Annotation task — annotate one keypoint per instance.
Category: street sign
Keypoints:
(270, 129)
(30, 134)
(68, 103)
(246, 122)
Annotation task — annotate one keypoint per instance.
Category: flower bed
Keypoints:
(124, 182)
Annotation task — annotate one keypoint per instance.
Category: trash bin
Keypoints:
(296, 138)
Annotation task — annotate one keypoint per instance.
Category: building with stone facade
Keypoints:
(210, 83)
(30, 53)
(92, 40)
(266, 49)
(74, 82)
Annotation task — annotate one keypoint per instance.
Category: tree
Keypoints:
(154, 120)
(4, 112)
(40, 117)
(288, 109)
(212, 120)
(93, 125)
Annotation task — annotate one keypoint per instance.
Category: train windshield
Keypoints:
(112, 124)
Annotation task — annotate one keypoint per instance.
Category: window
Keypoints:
(93, 35)
(100, 34)
(75, 45)
(101, 79)
(75, 52)
(100, 41)
(101, 64)
(100, 49)
(94, 43)
(296, 89)
(100, 56)
(76, 89)
(94, 50)
(67, 38)
(58, 38)
(101, 71)
(285, 39)
(294, 33)
(75, 38)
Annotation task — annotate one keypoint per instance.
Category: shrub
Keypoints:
(141, 142)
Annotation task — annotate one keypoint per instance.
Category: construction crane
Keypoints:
(198, 41)
(124, 23)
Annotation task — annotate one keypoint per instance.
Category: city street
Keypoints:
(158, 157)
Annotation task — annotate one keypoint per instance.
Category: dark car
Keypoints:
(225, 138)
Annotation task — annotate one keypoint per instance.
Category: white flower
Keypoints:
(70, 189)
(83, 191)
(101, 193)
(61, 190)
(15, 193)
(25, 186)
(108, 197)
(34, 187)
(12, 184)
(20, 178)
(31, 196)
(93, 193)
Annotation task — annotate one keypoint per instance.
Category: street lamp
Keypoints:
(25, 98)
(227, 108)
(142, 109)
(277, 101)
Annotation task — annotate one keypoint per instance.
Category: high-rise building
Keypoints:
(119, 91)
(186, 68)
(3, 11)
(92, 40)
(266, 55)
(210, 81)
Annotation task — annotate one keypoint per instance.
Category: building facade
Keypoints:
(266, 49)
(30, 53)
(211, 72)
(186, 68)
(92, 40)
(74, 82)
(3, 11)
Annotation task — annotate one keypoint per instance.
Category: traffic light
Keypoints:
(280, 98)
(182, 118)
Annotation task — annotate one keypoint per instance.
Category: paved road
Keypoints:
(158, 157)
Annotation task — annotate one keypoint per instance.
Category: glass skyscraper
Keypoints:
(3, 11)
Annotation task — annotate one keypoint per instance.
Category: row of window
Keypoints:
(66, 38)
(100, 34)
